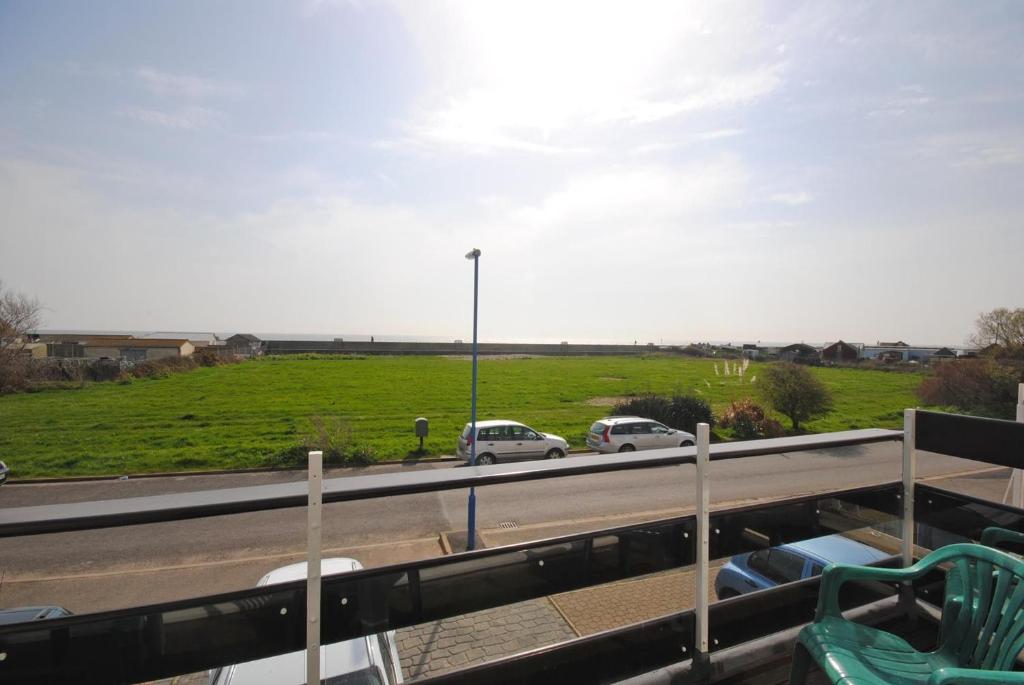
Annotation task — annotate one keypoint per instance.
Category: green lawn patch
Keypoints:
(257, 413)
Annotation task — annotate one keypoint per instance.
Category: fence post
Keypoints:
(909, 466)
(313, 535)
(1018, 474)
(703, 543)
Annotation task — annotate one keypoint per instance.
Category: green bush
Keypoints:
(682, 412)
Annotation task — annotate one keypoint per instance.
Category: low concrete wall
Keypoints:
(428, 348)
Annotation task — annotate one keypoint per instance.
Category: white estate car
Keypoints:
(502, 440)
(370, 660)
(629, 433)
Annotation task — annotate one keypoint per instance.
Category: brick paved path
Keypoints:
(440, 646)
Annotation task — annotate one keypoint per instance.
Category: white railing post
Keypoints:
(703, 539)
(909, 467)
(1018, 474)
(313, 534)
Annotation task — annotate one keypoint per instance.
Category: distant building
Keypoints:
(800, 353)
(137, 349)
(245, 345)
(943, 354)
(198, 339)
(840, 352)
(898, 343)
(900, 352)
(750, 351)
(34, 350)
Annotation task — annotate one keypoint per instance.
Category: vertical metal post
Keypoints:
(703, 539)
(471, 523)
(313, 535)
(1018, 474)
(909, 466)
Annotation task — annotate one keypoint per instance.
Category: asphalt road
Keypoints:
(110, 568)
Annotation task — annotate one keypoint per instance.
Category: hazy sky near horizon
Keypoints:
(631, 171)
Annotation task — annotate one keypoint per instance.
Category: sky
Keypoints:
(644, 171)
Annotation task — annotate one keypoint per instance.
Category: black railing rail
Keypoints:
(149, 642)
(993, 441)
(137, 510)
(184, 636)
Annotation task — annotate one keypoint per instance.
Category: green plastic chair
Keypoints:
(995, 536)
(982, 634)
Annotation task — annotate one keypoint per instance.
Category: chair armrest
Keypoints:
(834, 575)
(973, 676)
(992, 536)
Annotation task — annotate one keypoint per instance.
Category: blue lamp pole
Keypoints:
(474, 254)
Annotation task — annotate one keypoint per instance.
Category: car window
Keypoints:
(530, 435)
(516, 432)
(816, 569)
(777, 565)
(597, 428)
(659, 429)
(620, 429)
(640, 428)
(492, 433)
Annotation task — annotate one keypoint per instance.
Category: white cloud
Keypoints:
(177, 86)
(793, 199)
(185, 118)
(543, 77)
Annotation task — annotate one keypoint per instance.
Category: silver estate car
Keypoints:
(370, 660)
(629, 433)
(503, 440)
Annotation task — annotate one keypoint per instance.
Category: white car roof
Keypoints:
(335, 659)
(497, 422)
(298, 571)
(612, 420)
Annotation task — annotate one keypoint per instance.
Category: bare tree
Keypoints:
(1003, 327)
(19, 314)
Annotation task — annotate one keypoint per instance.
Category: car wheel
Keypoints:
(726, 593)
(485, 459)
(686, 443)
(627, 448)
(555, 454)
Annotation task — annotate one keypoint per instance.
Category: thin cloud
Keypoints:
(167, 84)
(184, 118)
(794, 199)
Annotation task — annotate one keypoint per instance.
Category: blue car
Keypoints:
(767, 568)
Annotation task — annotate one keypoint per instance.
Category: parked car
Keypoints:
(24, 614)
(629, 433)
(502, 440)
(370, 660)
(786, 563)
(4, 471)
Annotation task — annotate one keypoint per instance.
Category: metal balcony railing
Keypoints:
(144, 643)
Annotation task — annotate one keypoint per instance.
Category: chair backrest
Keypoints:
(983, 615)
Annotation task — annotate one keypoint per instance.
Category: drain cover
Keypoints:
(508, 524)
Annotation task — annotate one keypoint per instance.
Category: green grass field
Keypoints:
(250, 414)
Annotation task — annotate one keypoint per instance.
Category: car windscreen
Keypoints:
(465, 431)
(597, 428)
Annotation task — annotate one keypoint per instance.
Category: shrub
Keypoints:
(749, 421)
(682, 412)
(686, 411)
(976, 386)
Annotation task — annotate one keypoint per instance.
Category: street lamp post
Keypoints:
(474, 255)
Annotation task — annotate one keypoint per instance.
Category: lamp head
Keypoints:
(473, 254)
